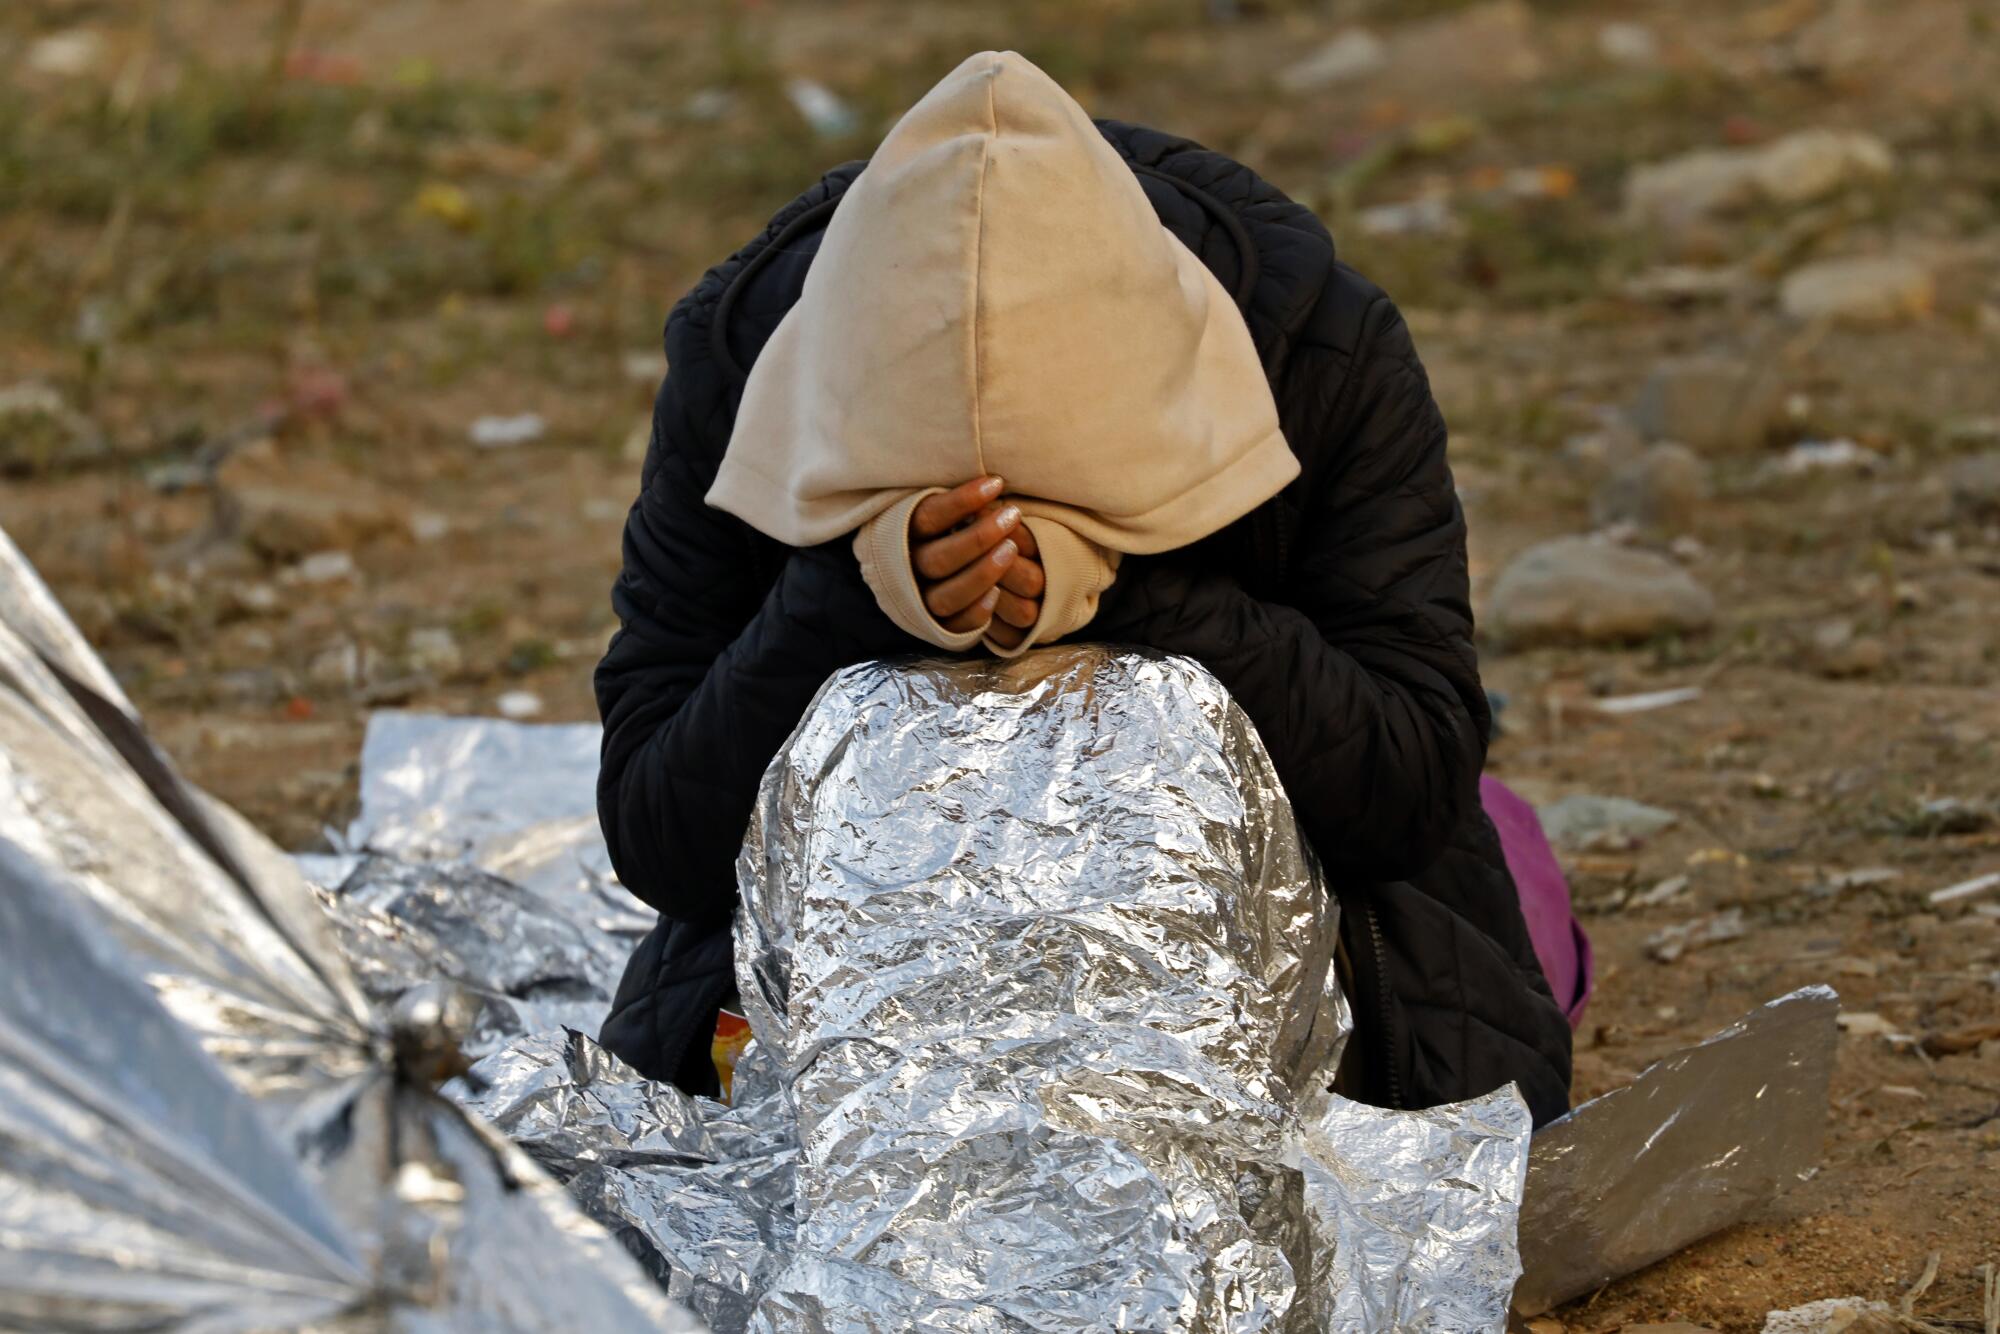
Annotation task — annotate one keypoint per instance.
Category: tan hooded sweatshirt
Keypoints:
(996, 295)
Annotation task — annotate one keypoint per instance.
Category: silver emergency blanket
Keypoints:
(1696, 1143)
(203, 1121)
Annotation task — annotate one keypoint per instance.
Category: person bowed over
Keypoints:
(1024, 378)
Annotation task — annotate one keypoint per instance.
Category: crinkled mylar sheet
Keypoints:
(1041, 975)
(204, 1122)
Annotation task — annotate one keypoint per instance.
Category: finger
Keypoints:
(942, 556)
(976, 616)
(1020, 611)
(952, 596)
(1025, 577)
(1029, 547)
(939, 514)
(1006, 636)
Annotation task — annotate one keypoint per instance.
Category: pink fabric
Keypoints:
(1560, 944)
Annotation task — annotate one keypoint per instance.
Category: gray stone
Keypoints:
(1584, 822)
(288, 506)
(1975, 486)
(1710, 403)
(1354, 54)
(1795, 169)
(1663, 488)
(1868, 289)
(1575, 590)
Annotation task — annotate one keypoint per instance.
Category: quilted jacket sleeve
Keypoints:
(713, 663)
(1363, 683)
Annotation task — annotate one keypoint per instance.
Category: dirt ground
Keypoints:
(262, 268)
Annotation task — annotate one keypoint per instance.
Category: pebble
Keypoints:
(1710, 403)
(518, 704)
(432, 649)
(1628, 44)
(1662, 488)
(322, 567)
(1576, 590)
(1867, 289)
(286, 507)
(1794, 169)
(1354, 54)
(494, 432)
(1839, 653)
(1975, 486)
(1586, 823)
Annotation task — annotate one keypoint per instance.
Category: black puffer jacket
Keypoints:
(1337, 615)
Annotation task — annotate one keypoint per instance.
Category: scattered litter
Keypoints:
(66, 54)
(1835, 1315)
(502, 432)
(322, 567)
(1429, 216)
(1648, 701)
(518, 704)
(428, 525)
(709, 104)
(1354, 54)
(1608, 1188)
(1671, 942)
(1628, 44)
(1860, 878)
(1818, 455)
(1965, 889)
(1866, 1024)
(823, 109)
(1601, 824)
(1670, 888)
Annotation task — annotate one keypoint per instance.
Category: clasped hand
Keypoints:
(976, 563)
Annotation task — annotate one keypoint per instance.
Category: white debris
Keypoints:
(518, 705)
(1965, 889)
(1429, 216)
(1628, 44)
(1650, 700)
(1835, 1315)
(1818, 455)
(822, 108)
(66, 54)
(501, 432)
(322, 567)
(1354, 54)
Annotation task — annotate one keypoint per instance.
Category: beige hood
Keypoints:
(995, 294)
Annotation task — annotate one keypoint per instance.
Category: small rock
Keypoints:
(39, 431)
(428, 526)
(1868, 289)
(1710, 403)
(495, 432)
(1574, 590)
(337, 667)
(432, 649)
(1794, 169)
(824, 111)
(1808, 456)
(1853, 656)
(286, 507)
(322, 567)
(518, 704)
(1585, 823)
(1662, 488)
(254, 599)
(66, 54)
(1672, 942)
(1628, 44)
(1975, 487)
(1354, 54)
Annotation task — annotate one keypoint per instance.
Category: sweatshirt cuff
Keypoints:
(1076, 572)
(882, 546)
